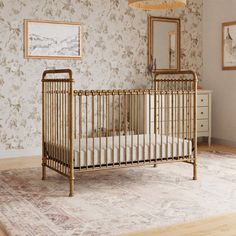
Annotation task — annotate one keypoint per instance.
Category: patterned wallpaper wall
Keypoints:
(114, 56)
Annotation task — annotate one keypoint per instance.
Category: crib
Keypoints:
(90, 130)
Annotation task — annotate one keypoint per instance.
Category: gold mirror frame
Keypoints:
(151, 21)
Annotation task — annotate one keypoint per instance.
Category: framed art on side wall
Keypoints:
(52, 40)
(229, 46)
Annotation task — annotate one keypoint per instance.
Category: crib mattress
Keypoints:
(100, 152)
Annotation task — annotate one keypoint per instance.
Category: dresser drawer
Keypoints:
(202, 125)
(202, 113)
(202, 100)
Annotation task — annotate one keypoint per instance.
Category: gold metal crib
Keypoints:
(105, 129)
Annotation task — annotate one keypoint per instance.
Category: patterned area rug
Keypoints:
(117, 201)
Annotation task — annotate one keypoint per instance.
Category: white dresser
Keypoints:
(204, 108)
(204, 104)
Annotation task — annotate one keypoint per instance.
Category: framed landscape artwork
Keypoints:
(229, 46)
(52, 40)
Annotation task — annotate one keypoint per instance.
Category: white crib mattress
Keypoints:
(103, 149)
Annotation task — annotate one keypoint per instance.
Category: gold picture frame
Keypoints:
(229, 46)
(45, 39)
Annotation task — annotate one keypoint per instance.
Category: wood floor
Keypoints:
(20, 162)
(216, 148)
(2, 232)
(219, 226)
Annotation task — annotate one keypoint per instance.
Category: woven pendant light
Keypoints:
(156, 4)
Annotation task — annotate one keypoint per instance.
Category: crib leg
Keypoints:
(195, 170)
(155, 165)
(72, 185)
(43, 172)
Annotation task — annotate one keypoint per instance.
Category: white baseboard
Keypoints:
(14, 153)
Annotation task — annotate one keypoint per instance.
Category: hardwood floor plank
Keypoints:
(217, 226)
(20, 162)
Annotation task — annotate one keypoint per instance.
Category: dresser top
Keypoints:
(199, 91)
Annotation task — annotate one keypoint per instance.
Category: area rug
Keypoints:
(117, 201)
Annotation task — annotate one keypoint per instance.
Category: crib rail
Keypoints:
(123, 127)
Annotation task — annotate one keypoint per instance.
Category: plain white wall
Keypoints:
(223, 83)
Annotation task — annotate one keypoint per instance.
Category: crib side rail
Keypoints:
(57, 122)
(123, 127)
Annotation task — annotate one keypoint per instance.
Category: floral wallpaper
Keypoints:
(114, 56)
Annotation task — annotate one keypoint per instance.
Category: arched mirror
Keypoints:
(163, 43)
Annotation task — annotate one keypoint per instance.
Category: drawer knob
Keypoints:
(201, 125)
(202, 100)
(202, 113)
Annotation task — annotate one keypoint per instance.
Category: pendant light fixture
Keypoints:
(156, 4)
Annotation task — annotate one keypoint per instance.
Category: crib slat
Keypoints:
(113, 129)
(100, 130)
(137, 109)
(93, 153)
(75, 118)
(59, 148)
(161, 146)
(144, 122)
(133, 130)
(191, 123)
(80, 128)
(167, 123)
(172, 124)
(86, 130)
(107, 127)
(62, 128)
(126, 130)
(149, 126)
(51, 125)
(183, 129)
(119, 130)
(178, 126)
(57, 157)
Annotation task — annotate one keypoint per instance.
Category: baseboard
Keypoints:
(224, 142)
(15, 153)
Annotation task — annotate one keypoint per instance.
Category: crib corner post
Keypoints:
(71, 136)
(195, 127)
(43, 162)
(195, 169)
(43, 129)
(43, 172)
(72, 186)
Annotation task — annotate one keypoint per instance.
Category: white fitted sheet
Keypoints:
(104, 155)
